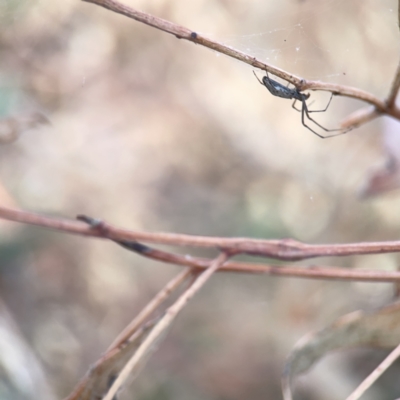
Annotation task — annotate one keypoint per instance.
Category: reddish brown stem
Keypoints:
(387, 107)
(280, 249)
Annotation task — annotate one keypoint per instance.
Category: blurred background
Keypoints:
(106, 116)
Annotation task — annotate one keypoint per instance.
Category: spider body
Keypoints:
(279, 90)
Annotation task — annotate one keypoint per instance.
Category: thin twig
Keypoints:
(160, 329)
(184, 33)
(394, 89)
(100, 371)
(97, 380)
(387, 107)
(187, 34)
(309, 272)
(382, 367)
(313, 272)
(360, 117)
(285, 249)
(150, 308)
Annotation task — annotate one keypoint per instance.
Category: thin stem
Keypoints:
(170, 287)
(387, 107)
(309, 272)
(360, 117)
(160, 329)
(371, 379)
(97, 378)
(394, 89)
(184, 33)
(101, 371)
(285, 249)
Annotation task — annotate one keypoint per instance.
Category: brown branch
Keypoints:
(360, 117)
(162, 326)
(280, 249)
(310, 272)
(394, 90)
(387, 107)
(144, 315)
(184, 33)
(106, 367)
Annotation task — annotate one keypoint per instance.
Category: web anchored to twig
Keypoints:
(379, 107)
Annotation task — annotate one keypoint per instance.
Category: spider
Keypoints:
(279, 90)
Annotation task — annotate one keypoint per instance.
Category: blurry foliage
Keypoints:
(153, 133)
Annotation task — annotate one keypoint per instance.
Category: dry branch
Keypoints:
(284, 249)
(280, 249)
(380, 107)
(310, 272)
(137, 333)
(394, 90)
(109, 364)
(162, 326)
(144, 315)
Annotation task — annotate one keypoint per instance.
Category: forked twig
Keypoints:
(280, 249)
(150, 308)
(108, 365)
(309, 272)
(162, 326)
(97, 380)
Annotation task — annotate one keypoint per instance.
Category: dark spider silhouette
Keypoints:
(279, 90)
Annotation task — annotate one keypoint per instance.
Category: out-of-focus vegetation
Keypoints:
(149, 132)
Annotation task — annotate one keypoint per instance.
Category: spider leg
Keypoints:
(327, 106)
(294, 106)
(312, 111)
(305, 112)
(258, 78)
